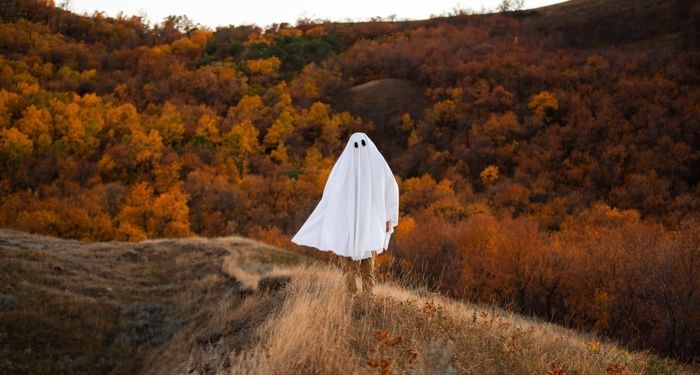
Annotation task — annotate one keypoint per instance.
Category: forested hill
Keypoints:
(533, 148)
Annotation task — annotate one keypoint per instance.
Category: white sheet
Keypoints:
(360, 196)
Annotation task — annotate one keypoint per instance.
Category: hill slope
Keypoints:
(643, 24)
(189, 306)
(383, 102)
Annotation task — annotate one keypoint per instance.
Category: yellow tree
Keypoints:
(543, 105)
(167, 174)
(489, 175)
(280, 155)
(284, 102)
(316, 171)
(7, 100)
(135, 216)
(242, 140)
(279, 130)
(418, 192)
(208, 129)
(250, 107)
(193, 45)
(502, 127)
(36, 123)
(91, 115)
(169, 124)
(69, 127)
(171, 214)
(15, 146)
(119, 120)
(318, 118)
(318, 113)
(264, 70)
(145, 147)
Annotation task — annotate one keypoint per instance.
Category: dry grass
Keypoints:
(320, 329)
(232, 305)
(310, 330)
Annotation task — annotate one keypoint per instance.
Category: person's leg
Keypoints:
(367, 271)
(349, 267)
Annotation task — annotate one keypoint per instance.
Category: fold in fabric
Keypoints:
(360, 196)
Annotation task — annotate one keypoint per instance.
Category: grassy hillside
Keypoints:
(234, 305)
(70, 307)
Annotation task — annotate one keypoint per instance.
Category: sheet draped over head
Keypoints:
(360, 196)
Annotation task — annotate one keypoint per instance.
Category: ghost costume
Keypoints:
(360, 196)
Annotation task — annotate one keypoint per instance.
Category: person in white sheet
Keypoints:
(357, 212)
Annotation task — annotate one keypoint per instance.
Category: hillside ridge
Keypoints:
(198, 305)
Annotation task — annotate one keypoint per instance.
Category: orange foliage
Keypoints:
(543, 105)
(267, 67)
(15, 146)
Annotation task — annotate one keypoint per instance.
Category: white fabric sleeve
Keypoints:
(391, 200)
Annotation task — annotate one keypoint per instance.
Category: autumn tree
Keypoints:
(170, 214)
(135, 216)
(15, 147)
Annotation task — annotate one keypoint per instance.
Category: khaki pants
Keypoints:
(349, 266)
